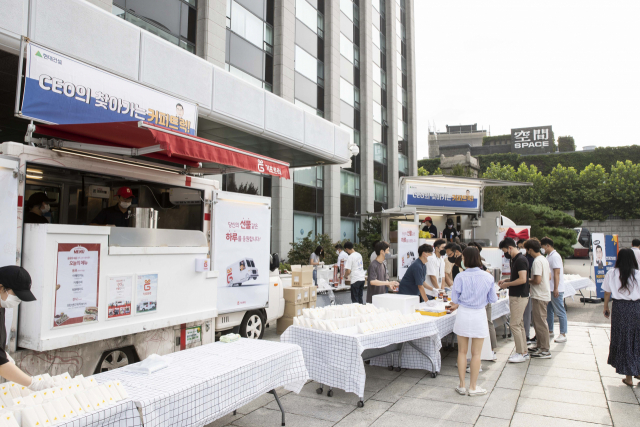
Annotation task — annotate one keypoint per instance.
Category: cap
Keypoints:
(427, 219)
(124, 192)
(38, 198)
(18, 280)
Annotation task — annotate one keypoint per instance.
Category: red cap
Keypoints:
(124, 192)
(427, 219)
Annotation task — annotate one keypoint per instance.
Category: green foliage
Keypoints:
(430, 165)
(422, 171)
(284, 268)
(300, 252)
(438, 171)
(459, 170)
(624, 189)
(487, 140)
(566, 143)
(545, 222)
(370, 232)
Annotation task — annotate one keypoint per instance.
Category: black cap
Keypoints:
(18, 280)
(37, 198)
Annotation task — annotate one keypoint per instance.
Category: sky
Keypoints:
(574, 65)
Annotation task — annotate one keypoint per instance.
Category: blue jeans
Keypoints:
(557, 305)
(315, 277)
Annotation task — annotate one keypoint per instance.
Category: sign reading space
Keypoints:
(533, 140)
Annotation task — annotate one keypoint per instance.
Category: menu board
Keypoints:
(146, 293)
(76, 294)
(119, 296)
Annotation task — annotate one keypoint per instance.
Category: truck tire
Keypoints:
(113, 359)
(252, 325)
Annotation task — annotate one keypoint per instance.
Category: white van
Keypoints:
(241, 271)
(408, 259)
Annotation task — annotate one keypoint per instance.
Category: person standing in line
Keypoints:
(450, 233)
(636, 249)
(622, 286)
(540, 297)
(518, 285)
(341, 262)
(527, 311)
(492, 328)
(448, 264)
(314, 260)
(456, 260)
(388, 255)
(414, 281)
(435, 265)
(556, 305)
(378, 274)
(355, 272)
(473, 289)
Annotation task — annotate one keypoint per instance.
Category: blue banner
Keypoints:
(605, 254)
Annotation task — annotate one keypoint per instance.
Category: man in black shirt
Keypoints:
(428, 226)
(37, 206)
(518, 286)
(117, 214)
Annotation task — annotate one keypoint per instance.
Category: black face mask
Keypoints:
(443, 252)
(507, 255)
(453, 259)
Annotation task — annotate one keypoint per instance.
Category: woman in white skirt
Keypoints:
(472, 290)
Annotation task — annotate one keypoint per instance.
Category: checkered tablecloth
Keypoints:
(202, 384)
(500, 308)
(335, 359)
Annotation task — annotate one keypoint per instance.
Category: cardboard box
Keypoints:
(293, 295)
(306, 294)
(293, 310)
(284, 323)
(301, 275)
(313, 293)
(310, 304)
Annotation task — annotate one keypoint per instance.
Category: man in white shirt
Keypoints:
(556, 285)
(636, 249)
(341, 263)
(540, 294)
(435, 267)
(355, 272)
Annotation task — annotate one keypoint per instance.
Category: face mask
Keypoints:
(452, 259)
(523, 251)
(462, 264)
(449, 225)
(125, 205)
(542, 251)
(507, 255)
(11, 302)
(45, 209)
(443, 252)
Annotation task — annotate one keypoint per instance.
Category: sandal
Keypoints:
(630, 385)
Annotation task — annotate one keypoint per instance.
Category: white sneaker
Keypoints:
(517, 358)
(479, 391)
(551, 334)
(561, 338)
(461, 390)
(469, 369)
(494, 358)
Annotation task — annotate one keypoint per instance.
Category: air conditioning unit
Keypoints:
(184, 196)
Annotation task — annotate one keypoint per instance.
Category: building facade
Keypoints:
(456, 140)
(345, 67)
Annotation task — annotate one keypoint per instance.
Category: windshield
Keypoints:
(250, 262)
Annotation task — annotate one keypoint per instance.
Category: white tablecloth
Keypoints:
(500, 308)
(202, 384)
(335, 359)
(573, 286)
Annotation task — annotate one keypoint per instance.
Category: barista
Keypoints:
(117, 214)
(37, 206)
(450, 233)
(15, 287)
(428, 226)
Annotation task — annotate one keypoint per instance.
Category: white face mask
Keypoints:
(46, 208)
(523, 251)
(125, 205)
(12, 301)
(542, 251)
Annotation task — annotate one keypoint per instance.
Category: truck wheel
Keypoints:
(252, 325)
(118, 358)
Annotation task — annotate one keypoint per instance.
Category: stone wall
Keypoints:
(626, 229)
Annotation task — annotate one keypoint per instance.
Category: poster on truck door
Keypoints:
(76, 298)
(241, 251)
(119, 296)
(407, 246)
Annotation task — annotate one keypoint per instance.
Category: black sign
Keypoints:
(533, 140)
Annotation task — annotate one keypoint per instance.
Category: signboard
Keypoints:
(407, 246)
(441, 196)
(119, 296)
(146, 293)
(533, 140)
(77, 276)
(605, 253)
(193, 335)
(62, 90)
(241, 251)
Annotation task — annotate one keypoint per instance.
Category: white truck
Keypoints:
(240, 271)
(183, 298)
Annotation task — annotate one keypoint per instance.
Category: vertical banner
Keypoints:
(119, 296)
(241, 251)
(146, 293)
(76, 298)
(407, 246)
(605, 253)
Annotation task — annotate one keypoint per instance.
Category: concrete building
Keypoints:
(343, 72)
(470, 165)
(456, 140)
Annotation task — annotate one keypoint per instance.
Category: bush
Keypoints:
(300, 252)
(566, 143)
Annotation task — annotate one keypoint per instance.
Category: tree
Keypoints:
(300, 252)
(370, 232)
(624, 189)
(562, 188)
(422, 171)
(593, 188)
(566, 144)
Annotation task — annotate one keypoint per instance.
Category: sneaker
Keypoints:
(541, 355)
(517, 358)
(532, 349)
(469, 369)
(561, 338)
(479, 391)
(531, 341)
(551, 334)
(461, 390)
(526, 356)
(494, 358)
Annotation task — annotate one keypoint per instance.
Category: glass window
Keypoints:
(303, 224)
(383, 79)
(380, 189)
(268, 38)
(356, 56)
(244, 76)
(400, 129)
(311, 176)
(306, 64)
(349, 183)
(403, 164)
(377, 76)
(307, 14)
(346, 92)
(377, 112)
(247, 25)
(375, 36)
(376, 4)
(351, 132)
(349, 230)
(346, 6)
(306, 107)
(346, 47)
(380, 153)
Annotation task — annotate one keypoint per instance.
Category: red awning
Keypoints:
(175, 147)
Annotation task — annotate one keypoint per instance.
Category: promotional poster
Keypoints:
(241, 252)
(605, 253)
(62, 90)
(442, 196)
(119, 296)
(407, 246)
(146, 293)
(76, 299)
